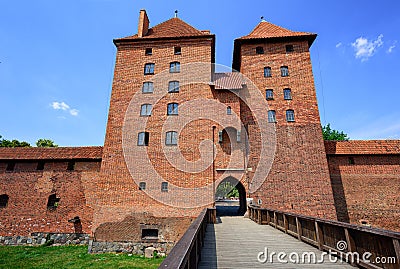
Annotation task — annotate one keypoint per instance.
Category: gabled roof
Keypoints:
(171, 28)
(367, 147)
(59, 153)
(268, 30)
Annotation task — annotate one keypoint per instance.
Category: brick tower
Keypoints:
(278, 61)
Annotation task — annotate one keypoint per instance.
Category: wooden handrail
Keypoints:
(186, 253)
(325, 234)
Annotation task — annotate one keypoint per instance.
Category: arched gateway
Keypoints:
(225, 205)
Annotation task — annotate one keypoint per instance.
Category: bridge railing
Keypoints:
(337, 237)
(186, 253)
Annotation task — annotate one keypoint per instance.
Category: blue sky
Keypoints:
(57, 59)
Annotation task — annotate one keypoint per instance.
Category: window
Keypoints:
(164, 186)
(289, 48)
(175, 67)
(145, 110)
(269, 94)
(259, 50)
(149, 233)
(173, 86)
(267, 72)
(228, 110)
(351, 160)
(289, 115)
(220, 137)
(271, 116)
(10, 166)
(142, 186)
(171, 138)
(147, 87)
(284, 71)
(172, 109)
(40, 166)
(71, 166)
(53, 201)
(177, 50)
(143, 139)
(149, 69)
(238, 136)
(287, 94)
(149, 51)
(3, 200)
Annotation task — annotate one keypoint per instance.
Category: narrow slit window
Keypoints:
(229, 110)
(238, 136)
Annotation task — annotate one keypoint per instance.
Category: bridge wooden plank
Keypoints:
(236, 242)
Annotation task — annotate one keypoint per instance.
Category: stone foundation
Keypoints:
(36, 239)
(162, 249)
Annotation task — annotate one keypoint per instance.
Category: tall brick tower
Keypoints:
(278, 61)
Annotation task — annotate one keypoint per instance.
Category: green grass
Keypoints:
(70, 257)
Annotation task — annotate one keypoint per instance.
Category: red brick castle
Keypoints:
(179, 125)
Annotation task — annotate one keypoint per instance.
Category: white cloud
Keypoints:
(74, 112)
(365, 48)
(390, 49)
(63, 106)
(339, 44)
(60, 105)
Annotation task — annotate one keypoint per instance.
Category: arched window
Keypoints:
(52, 202)
(145, 110)
(284, 71)
(143, 139)
(3, 200)
(289, 115)
(175, 67)
(171, 138)
(147, 87)
(287, 94)
(228, 110)
(149, 69)
(172, 109)
(267, 72)
(173, 86)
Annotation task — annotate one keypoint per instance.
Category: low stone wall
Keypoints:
(45, 238)
(162, 249)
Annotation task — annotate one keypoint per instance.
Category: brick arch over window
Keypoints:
(3, 200)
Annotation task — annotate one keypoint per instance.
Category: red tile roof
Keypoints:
(354, 147)
(171, 28)
(51, 153)
(229, 80)
(268, 30)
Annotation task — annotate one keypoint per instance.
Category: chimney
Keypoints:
(143, 25)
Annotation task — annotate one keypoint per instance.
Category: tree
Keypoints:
(331, 134)
(13, 143)
(45, 143)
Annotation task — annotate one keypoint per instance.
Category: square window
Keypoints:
(289, 48)
(173, 86)
(174, 67)
(149, 69)
(177, 50)
(289, 115)
(149, 51)
(172, 109)
(259, 50)
(142, 186)
(269, 94)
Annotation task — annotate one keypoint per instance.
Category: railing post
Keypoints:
(285, 222)
(319, 234)
(351, 246)
(275, 220)
(259, 216)
(268, 217)
(299, 229)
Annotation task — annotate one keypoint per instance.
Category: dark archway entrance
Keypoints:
(226, 202)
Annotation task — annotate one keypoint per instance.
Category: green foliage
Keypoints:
(226, 189)
(331, 134)
(12, 143)
(46, 143)
(71, 257)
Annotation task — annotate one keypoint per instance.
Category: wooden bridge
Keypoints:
(274, 239)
